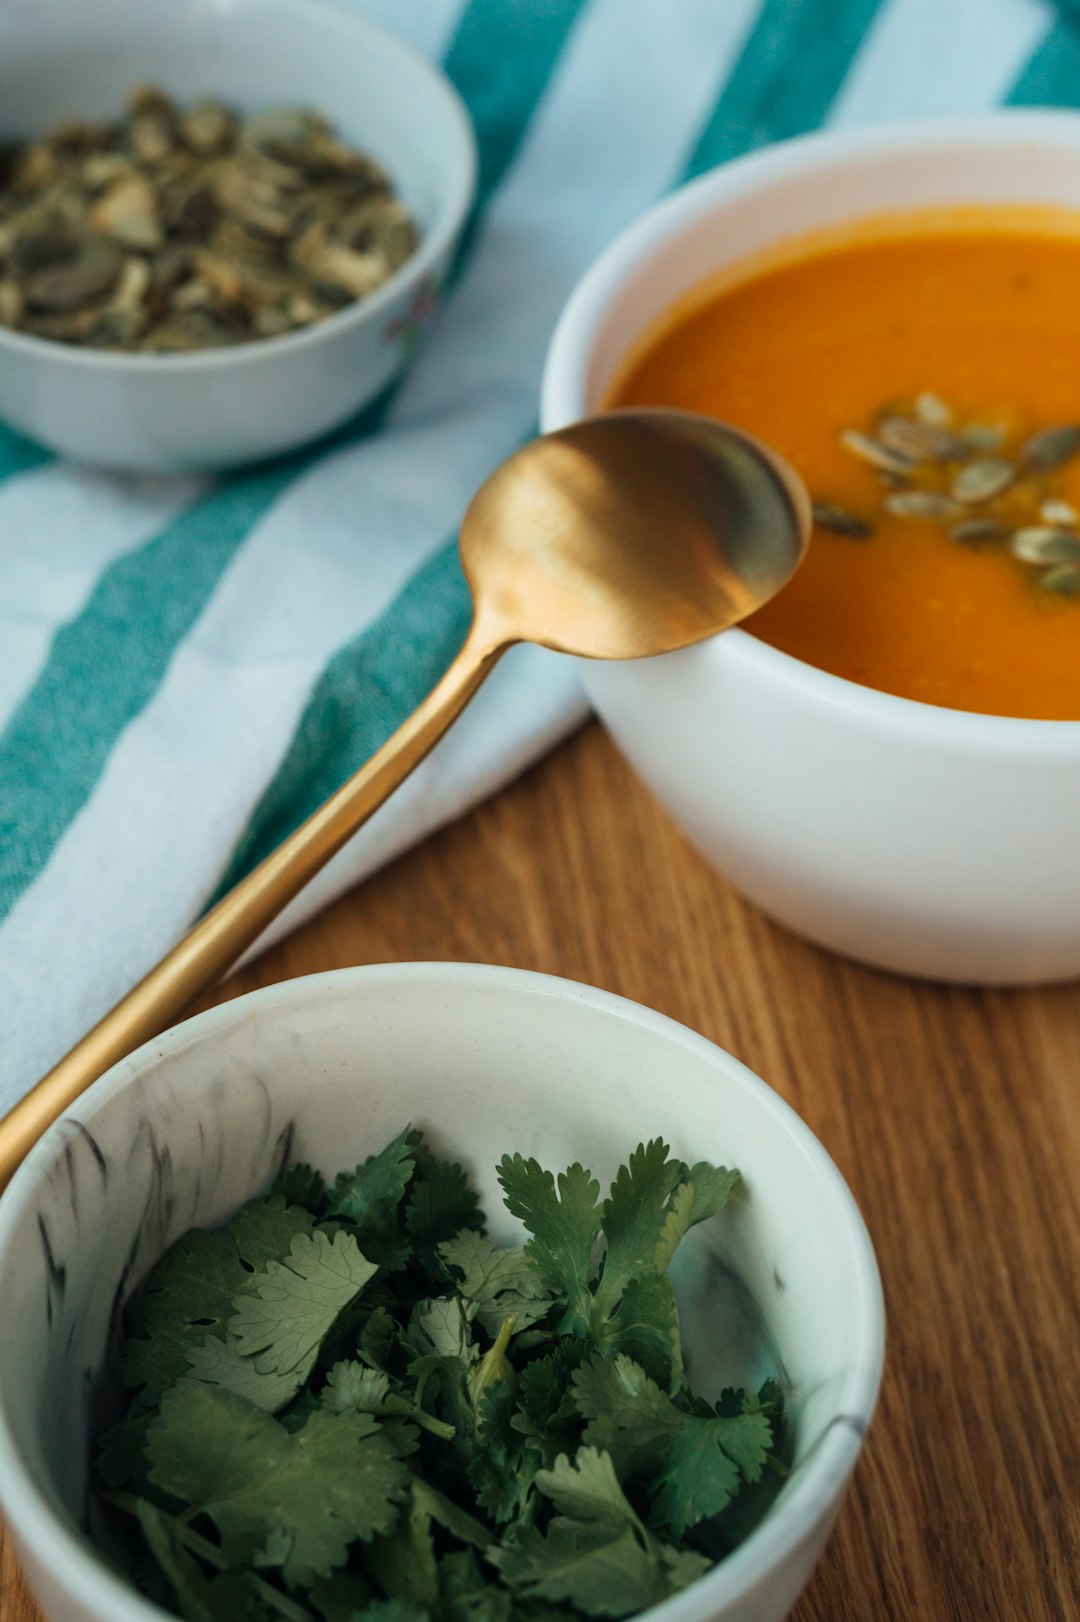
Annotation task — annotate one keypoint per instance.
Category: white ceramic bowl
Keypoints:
(485, 1060)
(223, 407)
(921, 839)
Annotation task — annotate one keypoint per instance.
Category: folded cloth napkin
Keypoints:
(188, 667)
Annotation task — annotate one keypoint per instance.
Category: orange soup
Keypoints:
(968, 331)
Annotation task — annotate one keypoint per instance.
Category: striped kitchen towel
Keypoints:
(188, 667)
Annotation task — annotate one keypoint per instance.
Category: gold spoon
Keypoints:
(629, 534)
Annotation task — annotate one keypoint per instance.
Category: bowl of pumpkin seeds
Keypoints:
(222, 228)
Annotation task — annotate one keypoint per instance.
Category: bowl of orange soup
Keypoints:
(887, 757)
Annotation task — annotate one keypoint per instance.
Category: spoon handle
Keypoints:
(213, 945)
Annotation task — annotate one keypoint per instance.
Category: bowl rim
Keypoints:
(821, 1478)
(563, 392)
(453, 210)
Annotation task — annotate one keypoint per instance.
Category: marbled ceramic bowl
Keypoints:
(485, 1060)
(219, 408)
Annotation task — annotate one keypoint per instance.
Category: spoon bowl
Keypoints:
(632, 534)
(620, 537)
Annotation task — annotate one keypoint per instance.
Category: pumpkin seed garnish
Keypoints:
(985, 437)
(934, 411)
(1064, 580)
(911, 449)
(920, 441)
(1038, 543)
(921, 504)
(841, 522)
(1061, 513)
(1050, 449)
(176, 229)
(979, 532)
(982, 480)
(875, 454)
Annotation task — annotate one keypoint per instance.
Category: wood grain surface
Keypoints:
(953, 1113)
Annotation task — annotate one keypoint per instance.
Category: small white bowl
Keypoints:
(925, 840)
(221, 408)
(485, 1060)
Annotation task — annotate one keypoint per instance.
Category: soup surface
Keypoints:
(983, 318)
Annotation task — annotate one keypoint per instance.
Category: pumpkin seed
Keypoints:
(841, 522)
(128, 212)
(1039, 543)
(207, 127)
(875, 454)
(1050, 449)
(921, 441)
(979, 532)
(983, 479)
(932, 410)
(985, 437)
(1064, 580)
(76, 282)
(922, 504)
(1059, 513)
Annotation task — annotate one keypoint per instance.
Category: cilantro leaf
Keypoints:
(628, 1415)
(703, 1192)
(370, 1197)
(697, 1477)
(596, 1554)
(351, 1385)
(265, 1229)
(302, 1185)
(544, 1390)
(440, 1204)
(378, 1337)
(187, 1296)
(598, 1573)
(565, 1226)
(218, 1363)
(334, 1481)
(191, 1294)
(633, 1215)
(292, 1308)
(646, 1328)
(587, 1489)
(500, 1466)
(498, 1282)
(370, 1391)
(441, 1328)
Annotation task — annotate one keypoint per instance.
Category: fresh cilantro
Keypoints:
(350, 1406)
(499, 1283)
(332, 1482)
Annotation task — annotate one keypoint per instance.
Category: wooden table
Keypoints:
(954, 1115)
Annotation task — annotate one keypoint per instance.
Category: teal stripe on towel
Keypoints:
(104, 666)
(500, 59)
(56, 745)
(368, 688)
(20, 455)
(787, 75)
(1051, 77)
